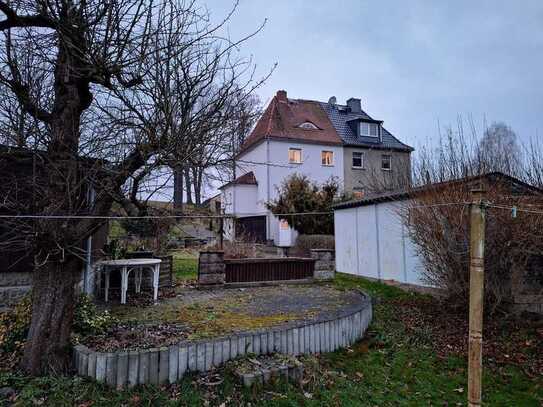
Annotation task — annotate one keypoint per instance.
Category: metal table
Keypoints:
(126, 266)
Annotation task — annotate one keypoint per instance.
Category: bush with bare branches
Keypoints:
(441, 232)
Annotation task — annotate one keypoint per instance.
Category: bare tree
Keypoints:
(100, 66)
(499, 149)
(438, 217)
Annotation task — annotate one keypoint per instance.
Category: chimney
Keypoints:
(354, 105)
(282, 95)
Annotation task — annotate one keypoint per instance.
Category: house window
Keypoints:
(386, 162)
(308, 126)
(358, 193)
(295, 155)
(327, 157)
(369, 129)
(358, 159)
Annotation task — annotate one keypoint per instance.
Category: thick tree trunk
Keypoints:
(47, 348)
(188, 184)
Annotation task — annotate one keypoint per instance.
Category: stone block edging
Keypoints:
(169, 364)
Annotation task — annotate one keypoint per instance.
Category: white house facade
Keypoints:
(309, 138)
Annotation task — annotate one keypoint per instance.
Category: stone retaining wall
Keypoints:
(169, 364)
(325, 263)
(211, 268)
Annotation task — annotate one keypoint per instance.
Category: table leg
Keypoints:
(138, 279)
(124, 284)
(106, 293)
(156, 273)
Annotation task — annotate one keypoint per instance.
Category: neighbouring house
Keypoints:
(372, 239)
(318, 139)
(16, 266)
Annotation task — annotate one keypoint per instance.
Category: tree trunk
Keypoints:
(178, 188)
(188, 186)
(197, 182)
(47, 349)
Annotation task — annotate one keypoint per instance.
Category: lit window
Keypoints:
(358, 193)
(385, 162)
(369, 129)
(295, 155)
(358, 159)
(308, 126)
(327, 157)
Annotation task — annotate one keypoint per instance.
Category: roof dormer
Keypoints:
(367, 128)
(308, 126)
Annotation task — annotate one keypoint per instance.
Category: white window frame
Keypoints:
(290, 158)
(361, 167)
(389, 162)
(369, 125)
(308, 126)
(323, 152)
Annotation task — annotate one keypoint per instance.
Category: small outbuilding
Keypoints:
(372, 238)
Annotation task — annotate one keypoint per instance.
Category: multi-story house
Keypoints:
(318, 139)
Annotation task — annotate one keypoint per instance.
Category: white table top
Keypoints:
(130, 262)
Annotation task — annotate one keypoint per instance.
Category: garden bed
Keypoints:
(200, 330)
(193, 314)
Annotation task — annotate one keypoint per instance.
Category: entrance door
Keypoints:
(252, 227)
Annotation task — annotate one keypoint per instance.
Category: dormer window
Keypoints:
(369, 129)
(308, 126)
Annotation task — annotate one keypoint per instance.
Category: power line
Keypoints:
(225, 216)
(439, 204)
(514, 209)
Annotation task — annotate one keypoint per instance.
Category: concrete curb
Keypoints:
(169, 364)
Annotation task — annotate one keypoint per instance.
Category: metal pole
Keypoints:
(476, 298)
(221, 233)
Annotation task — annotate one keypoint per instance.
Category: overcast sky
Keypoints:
(414, 64)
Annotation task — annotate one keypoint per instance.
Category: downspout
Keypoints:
(88, 255)
(268, 220)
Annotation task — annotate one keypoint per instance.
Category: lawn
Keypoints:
(185, 266)
(394, 366)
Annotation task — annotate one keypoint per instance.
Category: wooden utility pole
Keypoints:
(476, 298)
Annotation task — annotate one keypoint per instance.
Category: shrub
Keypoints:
(88, 320)
(304, 244)
(298, 194)
(14, 325)
(441, 235)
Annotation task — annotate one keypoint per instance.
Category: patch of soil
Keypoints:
(505, 340)
(132, 337)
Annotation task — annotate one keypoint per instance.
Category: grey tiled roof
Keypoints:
(340, 115)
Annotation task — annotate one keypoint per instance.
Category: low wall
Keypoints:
(325, 263)
(14, 285)
(214, 270)
(169, 364)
